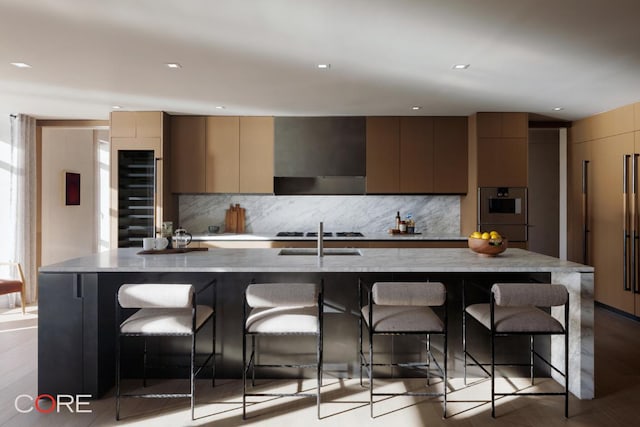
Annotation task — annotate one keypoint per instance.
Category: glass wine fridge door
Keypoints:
(136, 196)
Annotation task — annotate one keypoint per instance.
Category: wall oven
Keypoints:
(503, 209)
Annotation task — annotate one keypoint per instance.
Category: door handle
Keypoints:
(585, 213)
(634, 223)
(627, 262)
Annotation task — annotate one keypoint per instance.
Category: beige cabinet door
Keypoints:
(188, 148)
(450, 166)
(256, 155)
(416, 155)
(383, 155)
(223, 154)
(606, 220)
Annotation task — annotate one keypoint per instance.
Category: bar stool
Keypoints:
(404, 308)
(14, 283)
(164, 310)
(279, 309)
(513, 310)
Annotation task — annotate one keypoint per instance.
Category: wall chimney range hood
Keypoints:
(320, 155)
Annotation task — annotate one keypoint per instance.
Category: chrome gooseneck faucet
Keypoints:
(320, 240)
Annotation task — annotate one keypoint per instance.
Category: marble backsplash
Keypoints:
(367, 214)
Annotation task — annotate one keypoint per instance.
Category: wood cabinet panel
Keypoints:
(223, 155)
(450, 168)
(188, 166)
(383, 155)
(256, 155)
(606, 220)
(515, 125)
(636, 116)
(489, 125)
(148, 124)
(502, 162)
(416, 155)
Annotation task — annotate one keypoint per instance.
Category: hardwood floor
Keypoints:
(345, 403)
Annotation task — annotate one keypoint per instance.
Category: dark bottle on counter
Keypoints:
(398, 220)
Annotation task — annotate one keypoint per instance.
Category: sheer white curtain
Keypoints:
(22, 200)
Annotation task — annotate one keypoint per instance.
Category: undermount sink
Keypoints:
(326, 252)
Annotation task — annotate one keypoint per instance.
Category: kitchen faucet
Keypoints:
(320, 240)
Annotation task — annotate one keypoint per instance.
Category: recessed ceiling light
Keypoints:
(416, 107)
(21, 64)
(116, 107)
(173, 65)
(219, 107)
(460, 66)
(323, 66)
(557, 108)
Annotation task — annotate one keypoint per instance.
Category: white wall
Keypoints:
(67, 231)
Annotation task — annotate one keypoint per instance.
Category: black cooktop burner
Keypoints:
(290, 234)
(349, 234)
(315, 234)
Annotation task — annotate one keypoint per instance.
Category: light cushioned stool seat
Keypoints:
(403, 318)
(164, 321)
(283, 320)
(515, 319)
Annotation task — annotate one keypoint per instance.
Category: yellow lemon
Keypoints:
(494, 235)
(486, 236)
(476, 235)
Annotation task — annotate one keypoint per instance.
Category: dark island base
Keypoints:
(76, 329)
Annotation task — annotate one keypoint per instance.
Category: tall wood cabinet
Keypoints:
(603, 156)
(138, 132)
(420, 155)
(222, 154)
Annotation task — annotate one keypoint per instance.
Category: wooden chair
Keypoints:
(10, 285)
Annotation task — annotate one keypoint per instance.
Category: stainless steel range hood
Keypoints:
(320, 155)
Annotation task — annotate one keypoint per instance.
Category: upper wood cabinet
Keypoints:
(383, 154)
(256, 154)
(222, 154)
(450, 153)
(136, 124)
(188, 139)
(416, 155)
(424, 155)
(502, 149)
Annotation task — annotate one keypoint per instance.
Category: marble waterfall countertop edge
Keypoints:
(448, 260)
(204, 237)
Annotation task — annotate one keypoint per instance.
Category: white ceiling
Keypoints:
(258, 57)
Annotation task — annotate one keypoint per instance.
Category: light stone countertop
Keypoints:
(204, 237)
(460, 260)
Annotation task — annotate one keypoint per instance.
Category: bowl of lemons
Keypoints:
(488, 243)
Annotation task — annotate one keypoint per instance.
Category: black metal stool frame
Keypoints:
(251, 365)
(532, 353)
(194, 372)
(368, 365)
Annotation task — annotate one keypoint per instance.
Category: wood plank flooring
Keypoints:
(345, 403)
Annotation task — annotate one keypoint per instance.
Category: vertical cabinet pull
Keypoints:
(155, 196)
(634, 223)
(585, 213)
(627, 263)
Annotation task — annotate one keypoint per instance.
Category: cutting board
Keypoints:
(234, 221)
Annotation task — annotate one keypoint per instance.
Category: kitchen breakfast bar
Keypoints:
(77, 325)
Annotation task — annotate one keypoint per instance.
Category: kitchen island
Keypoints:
(77, 302)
